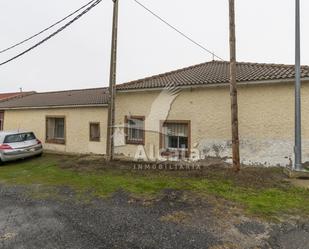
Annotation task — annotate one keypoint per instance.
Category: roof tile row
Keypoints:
(209, 73)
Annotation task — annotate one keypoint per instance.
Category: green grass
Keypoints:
(267, 202)
(45, 171)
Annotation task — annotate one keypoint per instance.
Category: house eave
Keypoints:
(53, 107)
(217, 85)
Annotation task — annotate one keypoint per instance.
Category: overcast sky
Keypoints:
(79, 56)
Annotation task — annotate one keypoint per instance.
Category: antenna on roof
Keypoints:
(213, 56)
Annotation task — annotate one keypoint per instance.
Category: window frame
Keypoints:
(55, 140)
(126, 121)
(94, 140)
(162, 145)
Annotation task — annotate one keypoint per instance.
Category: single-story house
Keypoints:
(179, 114)
(62, 120)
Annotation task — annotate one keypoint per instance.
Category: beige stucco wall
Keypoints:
(266, 119)
(77, 127)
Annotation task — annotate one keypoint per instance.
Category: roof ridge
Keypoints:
(4, 93)
(270, 64)
(74, 90)
(18, 96)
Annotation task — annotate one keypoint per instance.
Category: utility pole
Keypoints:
(112, 87)
(233, 88)
(298, 143)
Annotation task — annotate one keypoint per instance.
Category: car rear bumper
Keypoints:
(11, 155)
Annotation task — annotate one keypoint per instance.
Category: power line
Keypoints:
(178, 31)
(46, 29)
(53, 34)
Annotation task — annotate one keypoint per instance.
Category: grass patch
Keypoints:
(45, 171)
(267, 202)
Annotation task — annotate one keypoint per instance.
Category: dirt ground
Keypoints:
(175, 219)
(172, 219)
(213, 168)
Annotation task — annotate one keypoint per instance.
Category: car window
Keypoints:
(13, 138)
(16, 138)
(29, 136)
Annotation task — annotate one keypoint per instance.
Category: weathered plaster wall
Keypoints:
(77, 127)
(263, 152)
(266, 120)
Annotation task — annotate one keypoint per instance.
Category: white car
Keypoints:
(19, 145)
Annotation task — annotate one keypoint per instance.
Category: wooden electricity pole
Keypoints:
(233, 88)
(112, 87)
(298, 138)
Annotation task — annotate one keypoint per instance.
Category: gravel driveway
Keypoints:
(170, 221)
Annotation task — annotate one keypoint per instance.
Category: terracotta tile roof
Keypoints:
(95, 96)
(7, 96)
(216, 72)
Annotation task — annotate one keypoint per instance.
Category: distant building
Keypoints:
(8, 96)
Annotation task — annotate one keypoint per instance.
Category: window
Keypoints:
(175, 138)
(95, 132)
(135, 130)
(55, 130)
(1, 120)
